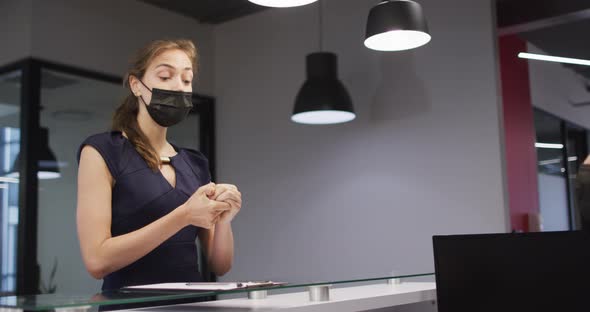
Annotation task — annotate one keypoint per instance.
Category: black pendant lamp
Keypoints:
(396, 25)
(47, 166)
(322, 99)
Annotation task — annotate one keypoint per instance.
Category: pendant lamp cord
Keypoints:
(320, 24)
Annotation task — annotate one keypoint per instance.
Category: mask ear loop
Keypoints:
(141, 96)
(144, 85)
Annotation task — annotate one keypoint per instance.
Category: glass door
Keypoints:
(10, 102)
(561, 148)
(73, 107)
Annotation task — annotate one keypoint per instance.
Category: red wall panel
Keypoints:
(519, 131)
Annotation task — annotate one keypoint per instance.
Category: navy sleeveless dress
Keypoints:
(140, 196)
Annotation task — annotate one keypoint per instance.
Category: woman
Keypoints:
(142, 201)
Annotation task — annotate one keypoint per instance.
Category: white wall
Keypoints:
(103, 35)
(553, 86)
(359, 199)
(15, 30)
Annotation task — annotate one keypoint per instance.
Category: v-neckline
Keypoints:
(160, 174)
(173, 168)
(164, 177)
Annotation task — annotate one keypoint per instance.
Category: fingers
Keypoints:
(207, 189)
(210, 191)
(222, 188)
(218, 192)
(218, 214)
(210, 220)
(234, 204)
(220, 206)
(236, 196)
(228, 186)
(213, 220)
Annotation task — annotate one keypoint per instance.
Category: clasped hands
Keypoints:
(213, 204)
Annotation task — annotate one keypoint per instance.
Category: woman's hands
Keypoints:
(213, 203)
(203, 211)
(228, 193)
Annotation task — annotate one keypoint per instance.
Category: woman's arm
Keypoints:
(103, 254)
(218, 246)
(218, 242)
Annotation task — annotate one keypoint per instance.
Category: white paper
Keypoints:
(202, 286)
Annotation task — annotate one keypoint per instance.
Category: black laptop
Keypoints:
(543, 271)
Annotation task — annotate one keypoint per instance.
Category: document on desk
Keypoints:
(204, 286)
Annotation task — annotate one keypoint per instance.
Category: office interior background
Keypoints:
(458, 136)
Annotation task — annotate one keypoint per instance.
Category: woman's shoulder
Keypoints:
(193, 156)
(110, 145)
(197, 162)
(112, 138)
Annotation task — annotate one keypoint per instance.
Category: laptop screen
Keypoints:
(513, 272)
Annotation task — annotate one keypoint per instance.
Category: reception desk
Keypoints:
(341, 295)
(355, 298)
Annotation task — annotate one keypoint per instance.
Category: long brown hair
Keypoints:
(125, 117)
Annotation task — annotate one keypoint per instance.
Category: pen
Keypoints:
(196, 284)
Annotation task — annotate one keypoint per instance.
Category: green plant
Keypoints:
(50, 287)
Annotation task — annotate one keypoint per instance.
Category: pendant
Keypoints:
(164, 159)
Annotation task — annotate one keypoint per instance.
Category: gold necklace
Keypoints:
(165, 159)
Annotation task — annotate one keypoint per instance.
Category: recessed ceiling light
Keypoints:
(549, 145)
(557, 59)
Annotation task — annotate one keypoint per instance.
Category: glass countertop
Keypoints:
(123, 297)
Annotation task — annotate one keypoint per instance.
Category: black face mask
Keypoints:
(167, 108)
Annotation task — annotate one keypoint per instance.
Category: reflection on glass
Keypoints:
(72, 108)
(553, 197)
(9, 149)
(47, 163)
(577, 151)
(561, 149)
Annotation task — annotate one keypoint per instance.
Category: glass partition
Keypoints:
(10, 90)
(552, 182)
(73, 108)
(561, 148)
